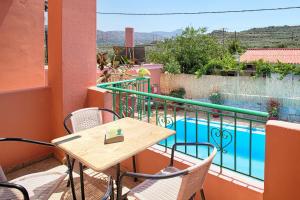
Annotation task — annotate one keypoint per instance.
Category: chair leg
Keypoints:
(134, 167)
(202, 194)
(72, 167)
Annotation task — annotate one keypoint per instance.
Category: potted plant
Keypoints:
(273, 109)
(216, 98)
(178, 93)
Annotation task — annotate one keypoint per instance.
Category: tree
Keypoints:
(192, 50)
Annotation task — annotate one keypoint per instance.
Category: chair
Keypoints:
(172, 183)
(39, 185)
(88, 118)
(33, 186)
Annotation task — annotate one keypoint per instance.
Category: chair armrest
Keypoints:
(16, 186)
(188, 144)
(26, 141)
(154, 176)
(111, 111)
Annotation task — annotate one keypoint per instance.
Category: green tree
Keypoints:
(234, 46)
(193, 49)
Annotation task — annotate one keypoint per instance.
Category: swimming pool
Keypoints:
(244, 159)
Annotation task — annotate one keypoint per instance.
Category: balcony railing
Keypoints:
(239, 134)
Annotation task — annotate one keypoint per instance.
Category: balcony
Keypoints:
(33, 104)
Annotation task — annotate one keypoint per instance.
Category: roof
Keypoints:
(273, 55)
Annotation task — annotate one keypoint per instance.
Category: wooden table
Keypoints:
(89, 149)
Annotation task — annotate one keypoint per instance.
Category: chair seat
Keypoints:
(163, 189)
(38, 185)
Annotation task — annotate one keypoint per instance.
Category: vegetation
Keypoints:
(264, 68)
(178, 93)
(191, 50)
(267, 37)
(273, 108)
(118, 66)
(216, 98)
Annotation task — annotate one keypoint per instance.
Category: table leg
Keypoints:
(134, 167)
(81, 181)
(71, 177)
(119, 191)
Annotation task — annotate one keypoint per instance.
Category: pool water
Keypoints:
(242, 140)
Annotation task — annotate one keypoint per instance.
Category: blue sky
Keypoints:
(232, 21)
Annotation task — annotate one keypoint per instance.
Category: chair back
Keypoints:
(85, 118)
(193, 181)
(2, 175)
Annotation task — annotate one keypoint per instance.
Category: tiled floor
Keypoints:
(95, 183)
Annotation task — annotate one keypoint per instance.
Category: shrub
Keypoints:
(172, 67)
(178, 93)
(263, 68)
(216, 98)
(273, 108)
(283, 69)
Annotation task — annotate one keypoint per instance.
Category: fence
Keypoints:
(237, 133)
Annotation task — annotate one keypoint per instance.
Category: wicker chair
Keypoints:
(39, 185)
(172, 183)
(88, 118)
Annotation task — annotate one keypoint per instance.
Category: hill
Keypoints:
(117, 37)
(273, 36)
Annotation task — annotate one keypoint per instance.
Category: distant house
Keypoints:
(272, 55)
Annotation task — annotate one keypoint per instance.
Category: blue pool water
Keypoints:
(242, 139)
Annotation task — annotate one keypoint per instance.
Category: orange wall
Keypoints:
(72, 57)
(282, 177)
(21, 44)
(26, 114)
(216, 188)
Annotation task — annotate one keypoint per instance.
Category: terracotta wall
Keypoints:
(282, 177)
(21, 44)
(72, 56)
(24, 113)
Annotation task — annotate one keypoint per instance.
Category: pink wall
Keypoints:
(72, 56)
(282, 177)
(24, 113)
(21, 44)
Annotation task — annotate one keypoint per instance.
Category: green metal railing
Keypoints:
(197, 121)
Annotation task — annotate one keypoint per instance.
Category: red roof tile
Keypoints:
(285, 55)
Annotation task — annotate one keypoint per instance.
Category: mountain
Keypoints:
(267, 37)
(117, 37)
(273, 36)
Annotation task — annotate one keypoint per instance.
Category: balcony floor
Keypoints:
(95, 183)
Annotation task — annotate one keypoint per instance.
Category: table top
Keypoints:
(88, 146)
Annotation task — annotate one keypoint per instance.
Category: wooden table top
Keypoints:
(88, 146)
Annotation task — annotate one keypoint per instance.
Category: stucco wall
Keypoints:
(21, 44)
(25, 114)
(246, 92)
(282, 178)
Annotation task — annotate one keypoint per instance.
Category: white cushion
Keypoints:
(38, 185)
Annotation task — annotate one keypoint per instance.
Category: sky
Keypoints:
(231, 22)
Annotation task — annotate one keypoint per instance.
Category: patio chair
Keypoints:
(33, 186)
(172, 183)
(39, 185)
(88, 118)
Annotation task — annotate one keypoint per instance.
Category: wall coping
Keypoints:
(24, 90)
